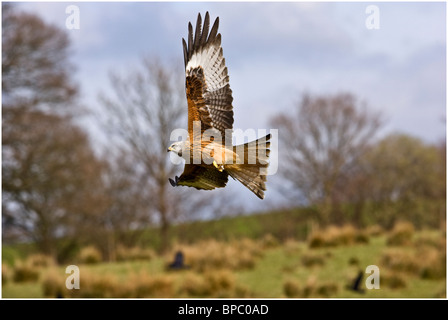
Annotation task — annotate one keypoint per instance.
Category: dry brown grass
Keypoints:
(269, 241)
(401, 234)
(41, 261)
(393, 279)
(432, 262)
(25, 272)
(213, 255)
(291, 288)
(217, 283)
(399, 260)
(143, 285)
(312, 259)
(374, 230)
(53, 284)
(7, 273)
(292, 247)
(425, 262)
(333, 236)
(92, 285)
(195, 285)
(311, 289)
(90, 255)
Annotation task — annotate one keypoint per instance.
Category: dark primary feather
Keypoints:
(213, 100)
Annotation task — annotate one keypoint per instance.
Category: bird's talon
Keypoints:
(219, 167)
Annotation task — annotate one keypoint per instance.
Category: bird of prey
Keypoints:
(210, 113)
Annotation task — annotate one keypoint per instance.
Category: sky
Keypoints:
(275, 52)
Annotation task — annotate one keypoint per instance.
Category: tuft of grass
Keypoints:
(393, 280)
(337, 236)
(25, 272)
(374, 230)
(432, 262)
(269, 241)
(220, 281)
(212, 255)
(90, 255)
(314, 289)
(195, 285)
(53, 284)
(353, 261)
(41, 260)
(291, 288)
(217, 283)
(401, 234)
(313, 259)
(143, 285)
(399, 260)
(6, 273)
(134, 253)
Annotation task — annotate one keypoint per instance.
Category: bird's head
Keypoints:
(177, 148)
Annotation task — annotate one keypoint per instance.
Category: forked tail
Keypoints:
(252, 172)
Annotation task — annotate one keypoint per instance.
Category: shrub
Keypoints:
(90, 255)
(401, 234)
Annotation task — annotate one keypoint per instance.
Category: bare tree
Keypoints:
(322, 141)
(49, 181)
(47, 164)
(36, 73)
(139, 116)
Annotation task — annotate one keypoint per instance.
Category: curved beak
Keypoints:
(169, 149)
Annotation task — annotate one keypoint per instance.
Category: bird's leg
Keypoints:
(219, 167)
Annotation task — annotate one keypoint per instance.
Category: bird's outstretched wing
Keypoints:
(209, 95)
(201, 178)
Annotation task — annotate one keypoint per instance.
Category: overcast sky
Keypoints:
(277, 51)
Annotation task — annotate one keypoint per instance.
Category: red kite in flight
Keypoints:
(210, 114)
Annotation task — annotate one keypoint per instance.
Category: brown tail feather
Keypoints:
(252, 173)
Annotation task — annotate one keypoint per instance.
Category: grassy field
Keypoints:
(264, 268)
